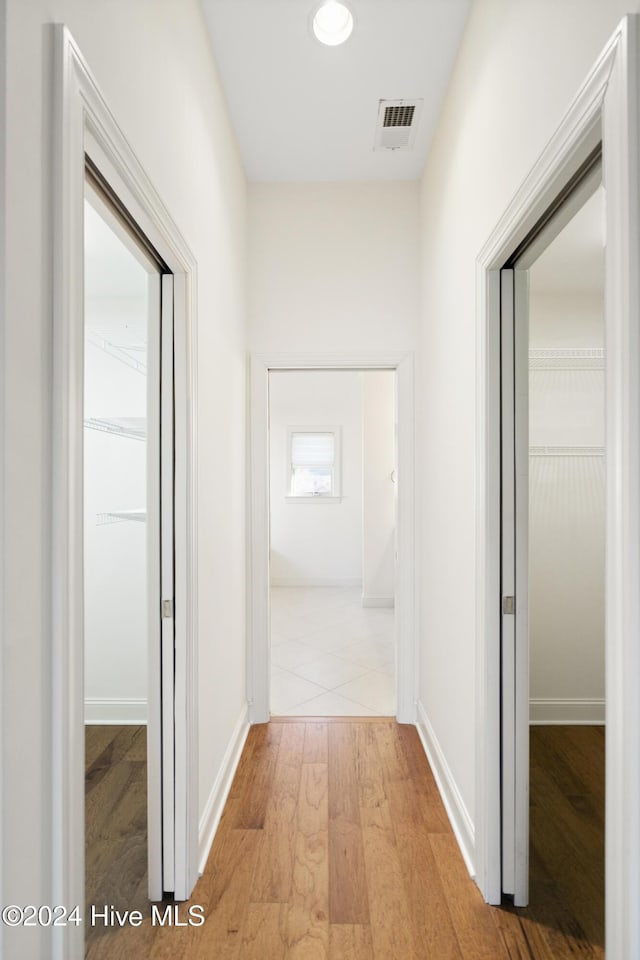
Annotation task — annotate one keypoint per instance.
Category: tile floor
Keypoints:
(330, 656)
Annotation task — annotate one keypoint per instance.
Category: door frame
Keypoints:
(606, 111)
(258, 653)
(84, 126)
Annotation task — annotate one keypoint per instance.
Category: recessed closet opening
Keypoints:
(553, 572)
(566, 575)
(128, 561)
(332, 472)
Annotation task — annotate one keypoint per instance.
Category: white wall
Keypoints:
(566, 514)
(519, 66)
(378, 490)
(333, 266)
(115, 554)
(317, 542)
(564, 319)
(153, 63)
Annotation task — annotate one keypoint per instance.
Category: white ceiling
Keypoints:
(574, 261)
(306, 112)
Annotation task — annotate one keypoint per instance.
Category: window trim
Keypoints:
(336, 495)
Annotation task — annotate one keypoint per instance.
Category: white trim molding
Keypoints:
(461, 822)
(388, 602)
(605, 111)
(84, 126)
(258, 653)
(115, 711)
(573, 711)
(214, 806)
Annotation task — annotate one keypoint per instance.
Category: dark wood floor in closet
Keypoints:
(116, 822)
(565, 917)
(334, 845)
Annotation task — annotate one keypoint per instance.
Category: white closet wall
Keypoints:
(566, 471)
(115, 506)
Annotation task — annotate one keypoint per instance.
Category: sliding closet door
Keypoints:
(167, 583)
(515, 585)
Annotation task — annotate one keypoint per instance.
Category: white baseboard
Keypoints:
(451, 797)
(378, 602)
(117, 710)
(220, 790)
(315, 582)
(574, 711)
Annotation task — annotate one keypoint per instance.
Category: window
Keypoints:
(313, 463)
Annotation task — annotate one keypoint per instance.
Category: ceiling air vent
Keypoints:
(397, 124)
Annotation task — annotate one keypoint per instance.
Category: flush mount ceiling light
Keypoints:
(333, 23)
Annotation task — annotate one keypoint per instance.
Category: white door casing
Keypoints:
(84, 127)
(258, 653)
(605, 110)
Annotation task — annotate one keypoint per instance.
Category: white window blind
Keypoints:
(312, 449)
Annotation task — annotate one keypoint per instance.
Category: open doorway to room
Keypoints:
(554, 563)
(332, 472)
(128, 562)
(566, 576)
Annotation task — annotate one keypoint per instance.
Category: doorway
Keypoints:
(332, 542)
(259, 647)
(128, 453)
(553, 562)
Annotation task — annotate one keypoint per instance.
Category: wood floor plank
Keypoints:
(476, 932)
(426, 898)
(272, 878)
(122, 943)
(513, 936)
(576, 888)
(262, 933)
(252, 783)
(97, 739)
(582, 835)
(306, 918)
(348, 900)
(350, 941)
(316, 743)
(574, 758)
(391, 754)
(433, 812)
(371, 788)
(224, 893)
(552, 751)
(565, 916)
(432, 925)
(390, 916)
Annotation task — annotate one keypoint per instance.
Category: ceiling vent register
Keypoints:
(397, 124)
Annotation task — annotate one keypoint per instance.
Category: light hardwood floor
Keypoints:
(334, 845)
